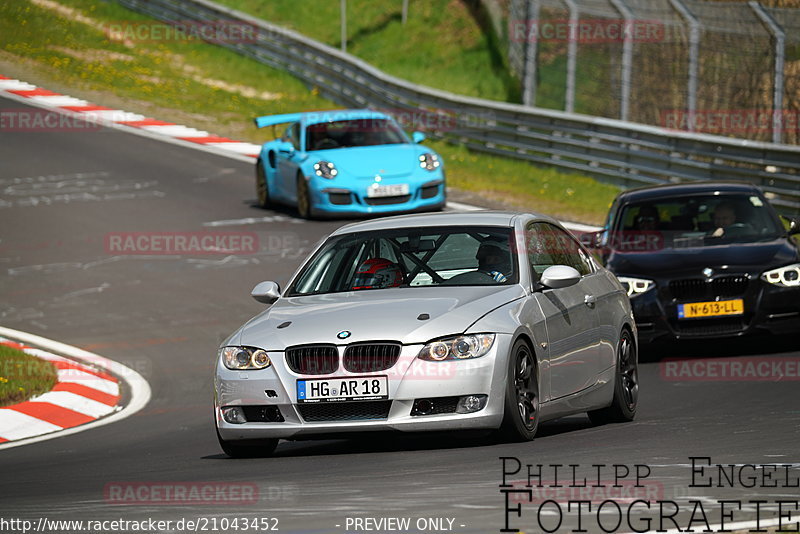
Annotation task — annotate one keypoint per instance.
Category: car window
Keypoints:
(352, 133)
(698, 220)
(411, 257)
(292, 135)
(548, 245)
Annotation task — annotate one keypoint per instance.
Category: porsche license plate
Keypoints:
(343, 389)
(394, 190)
(711, 309)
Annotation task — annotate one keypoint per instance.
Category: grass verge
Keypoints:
(64, 46)
(23, 376)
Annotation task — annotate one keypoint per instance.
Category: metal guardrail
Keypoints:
(624, 153)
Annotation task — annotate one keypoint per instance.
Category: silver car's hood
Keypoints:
(386, 314)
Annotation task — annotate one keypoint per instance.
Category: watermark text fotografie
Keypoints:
(586, 31)
(556, 498)
(204, 242)
(40, 120)
(214, 31)
(730, 370)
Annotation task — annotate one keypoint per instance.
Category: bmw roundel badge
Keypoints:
(344, 334)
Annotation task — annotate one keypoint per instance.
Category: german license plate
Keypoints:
(343, 389)
(711, 309)
(394, 190)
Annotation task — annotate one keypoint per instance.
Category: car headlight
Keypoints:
(635, 286)
(429, 161)
(241, 358)
(457, 348)
(788, 276)
(326, 169)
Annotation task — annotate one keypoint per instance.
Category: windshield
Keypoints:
(349, 133)
(694, 221)
(410, 257)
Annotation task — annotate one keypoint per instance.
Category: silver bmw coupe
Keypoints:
(448, 321)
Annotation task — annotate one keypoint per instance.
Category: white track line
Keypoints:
(75, 376)
(19, 426)
(139, 388)
(74, 402)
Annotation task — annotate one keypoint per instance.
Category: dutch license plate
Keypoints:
(343, 389)
(394, 190)
(711, 309)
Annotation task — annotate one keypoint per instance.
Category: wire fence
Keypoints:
(725, 68)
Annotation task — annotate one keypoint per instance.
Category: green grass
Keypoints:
(211, 88)
(23, 376)
(444, 44)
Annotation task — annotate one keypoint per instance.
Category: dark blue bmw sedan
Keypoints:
(703, 260)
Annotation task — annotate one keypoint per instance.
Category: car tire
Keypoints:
(521, 405)
(626, 385)
(249, 448)
(303, 197)
(262, 190)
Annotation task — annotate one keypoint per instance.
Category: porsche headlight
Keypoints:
(788, 276)
(242, 358)
(429, 161)
(457, 348)
(326, 169)
(635, 286)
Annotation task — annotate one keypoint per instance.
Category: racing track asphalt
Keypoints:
(62, 192)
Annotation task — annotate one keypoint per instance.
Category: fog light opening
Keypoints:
(234, 415)
(471, 403)
(423, 407)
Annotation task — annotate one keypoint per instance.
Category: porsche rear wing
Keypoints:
(272, 120)
(312, 117)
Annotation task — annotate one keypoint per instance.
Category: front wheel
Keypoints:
(521, 408)
(626, 385)
(262, 190)
(250, 448)
(303, 197)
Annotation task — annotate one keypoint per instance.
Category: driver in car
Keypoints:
(493, 260)
(723, 217)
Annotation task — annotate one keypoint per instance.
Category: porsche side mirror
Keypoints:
(286, 148)
(418, 137)
(559, 276)
(266, 292)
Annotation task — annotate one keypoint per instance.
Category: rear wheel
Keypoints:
(521, 409)
(626, 385)
(303, 197)
(262, 191)
(248, 448)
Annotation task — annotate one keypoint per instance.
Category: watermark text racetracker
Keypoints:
(199, 242)
(40, 120)
(624, 498)
(193, 524)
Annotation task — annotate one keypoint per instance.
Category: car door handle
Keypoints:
(590, 300)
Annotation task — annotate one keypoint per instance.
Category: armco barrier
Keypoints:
(620, 152)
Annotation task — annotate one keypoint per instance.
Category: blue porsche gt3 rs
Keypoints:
(347, 162)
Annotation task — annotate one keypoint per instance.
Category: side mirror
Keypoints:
(418, 137)
(266, 292)
(559, 276)
(794, 225)
(286, 148)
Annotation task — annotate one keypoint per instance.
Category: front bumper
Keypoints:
(767, 309)
(408, 380)
(339, 200)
